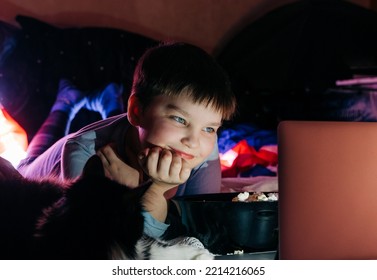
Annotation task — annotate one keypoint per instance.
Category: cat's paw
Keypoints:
(189, 241)
(193, 253)
(182, 248)
(203, 254)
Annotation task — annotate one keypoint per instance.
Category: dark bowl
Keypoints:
(224, 226)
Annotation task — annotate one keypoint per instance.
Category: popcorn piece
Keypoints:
(256, 196)
(262, 197)
(273, 197)
(243, 196)
(238, 252)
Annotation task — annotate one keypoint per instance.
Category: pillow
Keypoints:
(7, 39)
(90, 57)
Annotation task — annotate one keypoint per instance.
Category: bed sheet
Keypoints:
(249, 184)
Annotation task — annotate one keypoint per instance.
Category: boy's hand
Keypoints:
(7, 170)
(116, 169)
(165, 168)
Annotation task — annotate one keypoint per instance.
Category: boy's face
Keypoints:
(179, 125)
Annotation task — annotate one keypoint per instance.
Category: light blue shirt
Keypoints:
(66, 159)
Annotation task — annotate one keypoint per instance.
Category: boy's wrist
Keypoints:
(155, 202)
(162, 187)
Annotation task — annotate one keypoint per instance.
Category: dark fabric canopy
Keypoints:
(299, 48)
(38, 55)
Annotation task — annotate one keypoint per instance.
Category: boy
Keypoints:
(179, 98)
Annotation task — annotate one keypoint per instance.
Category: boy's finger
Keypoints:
(164, 164)
(108, 174)
(109, 153)
(143, 154)
(175, 166)
(103, 158)
(151, 161)
(185, 174)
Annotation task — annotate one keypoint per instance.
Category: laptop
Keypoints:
(327, 177)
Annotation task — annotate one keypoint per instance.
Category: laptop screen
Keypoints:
(327, 190)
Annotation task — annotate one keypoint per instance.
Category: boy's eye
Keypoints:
(179, 119)
(209, 130)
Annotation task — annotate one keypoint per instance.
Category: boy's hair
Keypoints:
(180, 68)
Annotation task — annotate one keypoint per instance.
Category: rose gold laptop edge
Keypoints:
(327, 190)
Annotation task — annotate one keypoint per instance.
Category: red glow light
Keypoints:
(13, 138)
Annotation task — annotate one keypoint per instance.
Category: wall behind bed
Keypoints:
(30, 75)
(207, 23)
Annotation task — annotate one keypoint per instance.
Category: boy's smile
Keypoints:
(183, 155)
(181, 126)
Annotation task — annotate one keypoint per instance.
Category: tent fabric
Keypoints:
(298, 50)
(38, 55)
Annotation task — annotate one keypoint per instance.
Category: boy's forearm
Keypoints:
(155, 202)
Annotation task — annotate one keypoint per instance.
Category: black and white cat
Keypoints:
(91, 218)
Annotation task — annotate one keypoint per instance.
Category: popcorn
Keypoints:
(273, 197)
(243, 196)
(262, 197)
(236, 252)
(256, 196)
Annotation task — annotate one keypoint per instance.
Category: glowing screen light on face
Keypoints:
(13, 138)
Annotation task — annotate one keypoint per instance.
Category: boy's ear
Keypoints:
(134, 110)
(93, 168)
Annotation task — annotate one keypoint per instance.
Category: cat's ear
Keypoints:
(93, 168)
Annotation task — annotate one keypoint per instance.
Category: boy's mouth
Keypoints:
(183, 154)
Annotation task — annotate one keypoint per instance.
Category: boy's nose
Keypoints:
(191, 140)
